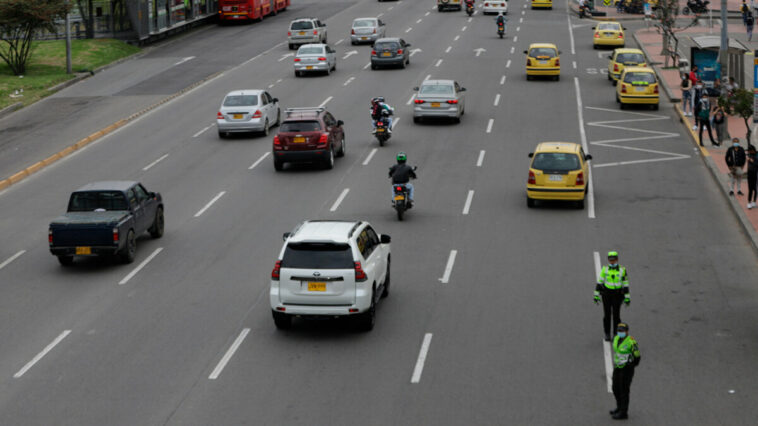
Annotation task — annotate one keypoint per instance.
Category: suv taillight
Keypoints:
(115, 235)
(289, 33)
(623, 88)
(399, 51)
(277, 270)
(322, 58)
(453, 101)
(297, 59)
(315, 32)
(532, 179)
(277, 142)
(257, 114)
(580, 178)
(373, 52)
(50, 236)
(359, 274)
(418, 101)
(219, 116)
(323, 140)
(352, 31)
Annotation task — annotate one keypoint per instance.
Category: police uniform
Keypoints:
(613, 286)
(626, 356)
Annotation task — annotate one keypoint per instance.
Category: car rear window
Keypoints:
(92, 200)
(436, 89)
(300, 126)
(391, 45)
(543, 51)
(302, 25)
(555, 162)
(610, 27)
(241, 100)
(630, 58)
(364, 23)
(315, 50)
(318, 256)
(639, 78)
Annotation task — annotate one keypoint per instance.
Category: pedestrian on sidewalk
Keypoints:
(735, 159)
(686, 95)
(703, 113)
(752, 176)
(744, 9)
(720, 121)
(697, 94)
(693, 75)
(648, 13)
(626, 357)
(749, 26)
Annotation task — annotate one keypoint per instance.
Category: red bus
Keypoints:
(241, 10)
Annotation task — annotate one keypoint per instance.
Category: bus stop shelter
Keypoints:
(705, 51)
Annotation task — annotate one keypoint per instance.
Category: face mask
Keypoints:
(736, 145)
(621, 334)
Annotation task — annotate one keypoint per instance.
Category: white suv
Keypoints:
(330, 268)
(305, 31)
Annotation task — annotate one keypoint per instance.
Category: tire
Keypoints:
(297, 73)
(292, 46)
(386, 290)
(417, 120)
(457, 120)
(265, 128)
(66, 260)
(579, 204)
(156, 231)
(530, 202)
(609, 77)
(278, 165)
(366, 320)
(381, 141)
(528, 77)
(341, 151)
(328, 71)
(655, 107)
(557, 78)
(621, 105)
(373, 67)
(129, 252)
(282, 321)
(402, 65)
(329, 162)
(440, 8)
(400, 214)
(222, 135)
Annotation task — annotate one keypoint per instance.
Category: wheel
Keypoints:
(265, 128)
(400, 214)
(386, 291)
(66, 260)
(408, 61)
(129, 251)
(528, 77)
(655, 107)
(292, 46)
(341, 151)
(329, 163)
(353, 43)
(557, 78)
(222, 135)
(617, 99)
(373, 67)
(594, 46)
(609, 77)
(297, 73)
(402, 65)
(580, 204)
(278, 165)
(417, 120)
(381, 141)
(622, 105)
(530, 202)
(334, 68)
(328, 70)
(282, 321)
(156, 231)
(501, 35)
(457, 120)
(366, 320)
(439, 8)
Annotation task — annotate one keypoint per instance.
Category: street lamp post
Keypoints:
(68, 38)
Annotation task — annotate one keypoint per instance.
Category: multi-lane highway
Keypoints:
(490, 320)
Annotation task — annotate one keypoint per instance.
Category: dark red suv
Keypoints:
(310, 135)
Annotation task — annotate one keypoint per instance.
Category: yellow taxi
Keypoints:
(559, 171)
(637, 85)
(542, 4)
(624, 58)
(543, 59)
(608, 34)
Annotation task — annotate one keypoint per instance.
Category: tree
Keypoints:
(740, 103)
(666, 15)
(19, 20)
(87, 16)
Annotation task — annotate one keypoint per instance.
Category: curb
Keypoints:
(10, 108)
(672, 98)
(36, 167)
(731, 14)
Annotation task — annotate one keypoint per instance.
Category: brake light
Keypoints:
(352, 31)
(486, 4)
(399, 51)
(418, 101)
(277, 142)
(528, 62)
(289, 33)
(359, 274)
(398, 188)
(623, 88)
(621, 35)
(50, 236)
(277, 270)
(379, 123)
(219, 116)
(297, 59)
(115, 235)
(373, 52)
(323, 140)
(532, 178)
(321, 58)
(580, 178)
(315, 32)
(257, 114)
(655, 89)
(374, 30)
(597, 35)
(557, 62)
(453, 101)
(615, 67)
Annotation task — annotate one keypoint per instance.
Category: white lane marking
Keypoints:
(489, 125)
(418, 21)
(369, 157)
(606, 345)
(426, 14)
(149, 166)
(497, 99)
(427, 77)
(414, 51)
(367, 65)
(339, 41)
(325, 101)
(518, 28)
(590, 195)
(574, 63)
(419, 368)
(513, 49)
(515, 38)
(349, 54)
(464, 28)
(502, 80)
(523, 12)
(140, 266)
(469, 199)
(457, 37)
(448, 49)
(349, 80)
(258, 161)
(210, 203)
(469, 19)
(285, 56)
(480, 160)
(508, 64)
(12, 258)
(410, 101)
(652, 160)
(449, 267)
(251, 59)
(203, 130)
(395, 121)
(583, 135)
(229, 354)
(187, 59)
(409, 29)
(342, 196)
(571, 34)
(520, 20)
(380, 15)
(439, 61)
(40, 355)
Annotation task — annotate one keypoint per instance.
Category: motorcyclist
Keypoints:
(500, 19)
(381, 111)
(402, 173)
(469, 3)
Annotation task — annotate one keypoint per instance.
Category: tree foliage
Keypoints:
(740, 103)
(19, 21)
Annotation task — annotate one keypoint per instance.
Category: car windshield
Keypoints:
(639, 78)
(314, 50)
(609, 27)
(630, 58)
(300, 126)
(364, 23)
(437, 89)
(318, 256)
(555, 161)
(302, 25)
(542, 51)
(386, 45)
(241, 100)
(93, 200)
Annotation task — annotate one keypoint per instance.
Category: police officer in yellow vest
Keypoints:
(613, 287)
(626, 356)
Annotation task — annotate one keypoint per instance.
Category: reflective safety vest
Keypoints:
(625, 352)
(613, 278)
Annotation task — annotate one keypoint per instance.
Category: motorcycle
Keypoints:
(470, 8)
(695, 7)
(382, 131)
(584, 10)
(500, 29)
(401, 200)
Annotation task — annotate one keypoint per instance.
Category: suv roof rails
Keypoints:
(317, 110)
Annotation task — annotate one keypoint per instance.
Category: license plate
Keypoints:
(309, 67)
(301, 33)
(399, 198)
(387, 54)
(435, 104)
(83, 250)
(543, 62)
(316, 286)
(238, 116)
(364, 38)
(556, 178)
(298, 140)
(641, 89)
(609, 34)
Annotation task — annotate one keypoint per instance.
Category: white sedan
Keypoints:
(493, 7)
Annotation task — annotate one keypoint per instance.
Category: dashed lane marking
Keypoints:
(515, 39)
(419, 368)
(457, 37)
(140, 266)
(574, 63)
(339, 41)
(150, 166)
(508, 64)
(349, 80)
(502, 80)
(12, 258)
(489, 125)
(427, 77)
(409, 30)
(513, 49)
(439, 61)
(480, 160)
(40, 355)
(325, 102)
(464, 28)
(497, 99)
(229, 354)
(410, 101)
(203, 130)
(449, 267)
(258, 161)
(210, 203)
(448, 49)
(469, 199)
(418, 21)
(337, 203)
(369, 157)
(367, 65)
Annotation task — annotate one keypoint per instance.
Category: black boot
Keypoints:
(614, 411)
(620, 416)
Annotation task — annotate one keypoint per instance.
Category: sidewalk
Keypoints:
(732, 7)
(650, 43)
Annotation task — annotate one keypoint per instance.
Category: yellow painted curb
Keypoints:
(34, 168)
(704, 152)
(4, 184)
(51, 159)
(18, 177)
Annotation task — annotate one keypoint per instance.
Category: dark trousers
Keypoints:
(622, 382)
(752, 182)
(611, 305)
(704, 122)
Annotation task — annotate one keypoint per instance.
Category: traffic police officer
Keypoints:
(613, 287)
(626, 356)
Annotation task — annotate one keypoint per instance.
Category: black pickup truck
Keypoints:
(105, 218)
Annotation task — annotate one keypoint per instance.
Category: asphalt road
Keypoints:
(510, 337)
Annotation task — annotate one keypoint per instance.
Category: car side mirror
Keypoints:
(594, 28)
(407, 45)
(153, 195)
(275, 100)
(385, 239)
(415, 89)
(559, 52)
(610, 57)
(525, 52)
(587, 157)
(463, 89)
(623, 28)
(340, 122)
(531, 154)
(286, 235)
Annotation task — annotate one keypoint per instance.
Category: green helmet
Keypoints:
(613, 254)
(401, 157)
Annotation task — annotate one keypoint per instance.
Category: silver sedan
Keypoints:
(439, 98)
(367, 30)
(315, 58)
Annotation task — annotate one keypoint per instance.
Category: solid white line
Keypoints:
(590, 196)
(464, 28)
(583, 135)
(228, 355)
(427, 77)
(149, 166)
(419, 21)
(140, 266)
(326, 101)
(571, 35)
(480, 160)
(339, 199)
(11, 259)
(369, 157)
(367, 65)
(489, 125)
(515, 38)
(457, 37)
(349, 80)
(409, 29)
(210, 203)
(202, 131)
(448, 49)
(39, 356)
(596, 258)
(419, 368)
(439, 61)
(508, 64)
(469, 198)
(339, 41)
(606, 345)
(449, 267)
(502, 80)
(574, 63)
(626, 163)
(258, 161)
(497, 99)
(410, 101)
